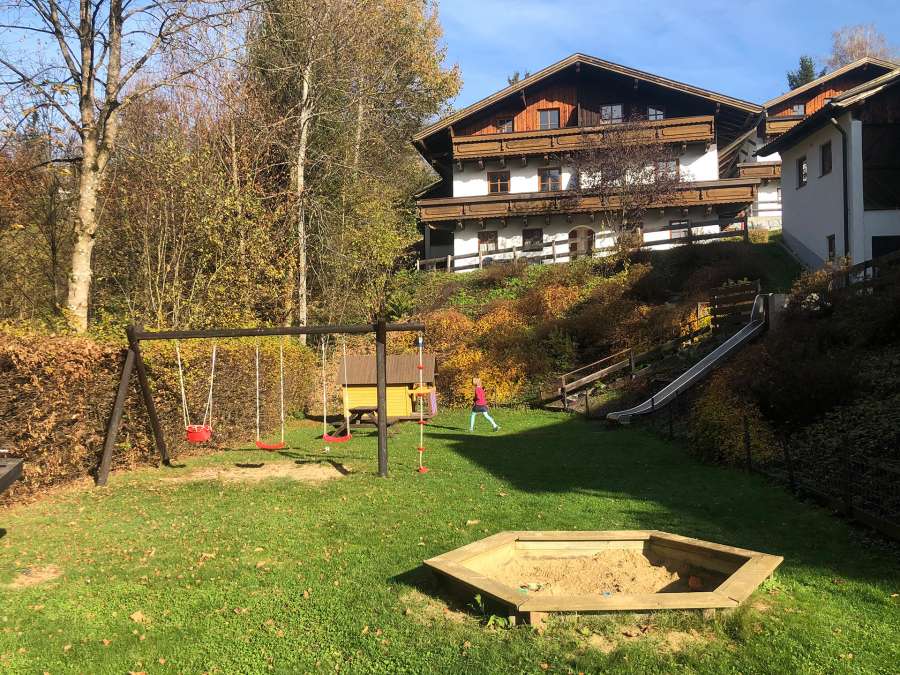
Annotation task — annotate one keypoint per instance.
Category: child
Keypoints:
(480, 406)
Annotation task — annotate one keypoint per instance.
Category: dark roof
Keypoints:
(596, 63)
(837, 106)
(401, 369)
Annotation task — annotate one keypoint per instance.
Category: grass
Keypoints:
(174, 576)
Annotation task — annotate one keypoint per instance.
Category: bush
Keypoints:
(56, 394)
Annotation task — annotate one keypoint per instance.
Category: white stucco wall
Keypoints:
(812, 212)
(767, 207)
(472, 181)
(696, 163)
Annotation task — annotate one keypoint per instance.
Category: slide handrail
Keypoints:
(699, 370)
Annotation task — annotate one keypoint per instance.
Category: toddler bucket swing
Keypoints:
(197, 433)
(346, 436)
(262, 445)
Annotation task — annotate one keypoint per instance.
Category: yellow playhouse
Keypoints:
(402, 381)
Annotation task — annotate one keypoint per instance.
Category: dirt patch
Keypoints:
(676, 640)
(612, 571)
(307, 473)
(34, 576)
(424, 609)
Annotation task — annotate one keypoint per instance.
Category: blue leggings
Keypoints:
(486, 416)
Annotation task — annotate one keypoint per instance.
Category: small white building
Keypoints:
(841, 176)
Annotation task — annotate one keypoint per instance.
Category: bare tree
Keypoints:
(91, 59)
(627, 172)
(854, 42)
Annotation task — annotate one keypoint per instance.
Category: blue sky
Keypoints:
(741, 48)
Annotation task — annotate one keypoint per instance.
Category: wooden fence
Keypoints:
(733, 303)
(561, 250)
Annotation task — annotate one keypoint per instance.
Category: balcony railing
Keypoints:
(570, 139)
(509, 205)
(777, 125)
(557, 251)
(760, 170)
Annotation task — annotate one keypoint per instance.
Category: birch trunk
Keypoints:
(300, 291)
(84, 239)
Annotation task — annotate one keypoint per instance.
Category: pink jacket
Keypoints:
(480, 398)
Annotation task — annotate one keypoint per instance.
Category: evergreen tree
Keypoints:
(805, 73)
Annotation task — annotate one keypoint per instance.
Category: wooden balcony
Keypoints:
(571, 139)
(701, 193)
(775, 126)
(764, 170)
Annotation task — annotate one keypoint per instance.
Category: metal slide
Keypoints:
(700, 369)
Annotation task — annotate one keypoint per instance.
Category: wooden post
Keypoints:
(381, 379)
(418, 265)
(115, 418)
(766, 307)
(587, 402)
(553, 249)
(565, 392)
(747, 444)
(135, 346)
(746, 230)
(631, 361)
(515, 254)
(449, 263)
(480, 258)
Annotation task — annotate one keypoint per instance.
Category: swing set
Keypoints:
(202, 432)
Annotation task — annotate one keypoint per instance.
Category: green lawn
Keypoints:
(178, 576)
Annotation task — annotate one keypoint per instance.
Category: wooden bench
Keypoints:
(10, 472)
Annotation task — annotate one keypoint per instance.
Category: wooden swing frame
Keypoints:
(134, 361)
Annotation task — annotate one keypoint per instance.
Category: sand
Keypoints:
(612, 571)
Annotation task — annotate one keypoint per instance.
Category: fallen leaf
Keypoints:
(365, 630)
(139, 617)
(472, 522)
(67, 648)
(106, 643)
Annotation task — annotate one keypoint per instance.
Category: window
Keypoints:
(654, 113)
(667, 168)
(825, 158)
(498, 182)
(611, 112)
(550, 180)
(829, 240)
(533, 238)
(505, 125)
(802, 172)
(487, 241)
(678, 228)
(799, 109)
(549, 119)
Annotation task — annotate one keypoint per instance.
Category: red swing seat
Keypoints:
(328, 438)
(271, 446)
(198, 433)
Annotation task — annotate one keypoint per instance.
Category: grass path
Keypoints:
(160, 575)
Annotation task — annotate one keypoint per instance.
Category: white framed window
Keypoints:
(655, 113)
(549, 118)
(487, 241)
(611, 112)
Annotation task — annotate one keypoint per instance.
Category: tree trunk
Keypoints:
(300, 307)
(84, 239)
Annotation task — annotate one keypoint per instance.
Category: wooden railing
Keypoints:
(559, 249)
(733, 303)
(780, 123)
(628, 359)
(529, 204)
(570, 139)
(759, 169)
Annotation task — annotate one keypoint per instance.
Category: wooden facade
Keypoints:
(519, 144)
(727, 191)
(759, 170)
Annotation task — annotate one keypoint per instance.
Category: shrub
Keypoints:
(56, 394)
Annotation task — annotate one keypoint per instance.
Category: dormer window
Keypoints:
(799, 109)
(611, 113)
(549, 118)
(505, 125)
(654, 113)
